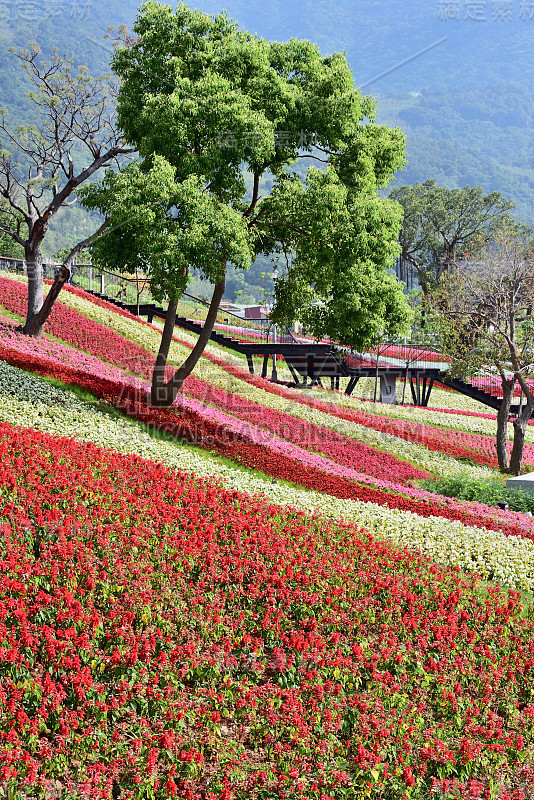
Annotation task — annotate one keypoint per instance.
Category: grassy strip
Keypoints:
(491, 493)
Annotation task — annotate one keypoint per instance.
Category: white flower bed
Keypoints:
(29, 401)
(430, 461)
(142, 335)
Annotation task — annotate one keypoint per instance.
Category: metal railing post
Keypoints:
(274, 376)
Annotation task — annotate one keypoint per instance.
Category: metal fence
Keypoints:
(18, 267)
(420, 353)
(135, 291)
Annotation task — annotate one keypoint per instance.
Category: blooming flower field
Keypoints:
(298, 620)
(184, 639)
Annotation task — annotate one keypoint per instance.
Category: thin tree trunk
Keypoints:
(159, 388)
(137, 287)
(502, 423)
(39, 307)
(376, 374)
(520, 427)
(164, 394)
(39, 320)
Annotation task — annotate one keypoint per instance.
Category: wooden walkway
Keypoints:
(310, 363)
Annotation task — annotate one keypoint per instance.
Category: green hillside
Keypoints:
(480, 136)
(466, 102)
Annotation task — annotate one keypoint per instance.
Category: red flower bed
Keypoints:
(318, 439)
(160, 636)
(100, 341)
(83, 333)
(93, 337)
(186, 424)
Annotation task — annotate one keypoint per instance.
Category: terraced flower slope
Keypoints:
(176, 625)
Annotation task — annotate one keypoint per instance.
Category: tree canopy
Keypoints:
(441, 226)
(337, 282)
(204, 102)
(165, 227)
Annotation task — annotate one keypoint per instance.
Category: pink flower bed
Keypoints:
(480, 449)
(230, 428)
(57, 352)
(342, 449)
(83, 333)
(306, 436)
(100, 341)
(244, 374)
(494, 386)
(411, 354)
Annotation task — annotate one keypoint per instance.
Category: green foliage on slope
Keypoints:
(481, 136)
(471, 124)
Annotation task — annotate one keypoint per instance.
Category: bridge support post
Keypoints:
(352, 383)
(420, 390)
(294, 373)
(416, 397)
(250, 364)
(274, 374)
(388, 385)
(426, 397)
(310, 369)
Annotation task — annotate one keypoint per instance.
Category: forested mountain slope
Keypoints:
(481, 136)
(466, 102)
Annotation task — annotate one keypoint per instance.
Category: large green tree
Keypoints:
(205, 103)
(337, 246)
(441, 226)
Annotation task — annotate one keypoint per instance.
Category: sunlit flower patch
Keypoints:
(344, 450)
(26, 400)
(164, 636)
(479, 449)
(212, 430)
(117, 349)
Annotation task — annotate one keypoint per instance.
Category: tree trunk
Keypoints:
(520, 427)
(34, 268)
(405, 382)
(39, 307)
(35, 324)
(164, 394)
(376, 374)
(502, 423)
